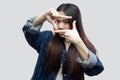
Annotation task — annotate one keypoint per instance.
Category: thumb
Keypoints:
(54, 26)
(74, 24)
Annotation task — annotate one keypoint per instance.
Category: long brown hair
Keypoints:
(54, 50)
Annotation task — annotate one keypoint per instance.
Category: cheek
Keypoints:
(68, 27)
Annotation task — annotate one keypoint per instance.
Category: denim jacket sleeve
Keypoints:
(95, 70)
(93, 66)
(92, 60)
(34, 36)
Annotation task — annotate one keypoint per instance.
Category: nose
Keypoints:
(61, 26)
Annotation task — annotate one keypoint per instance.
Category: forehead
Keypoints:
(61, 13)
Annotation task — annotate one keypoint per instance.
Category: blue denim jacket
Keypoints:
(39, 41)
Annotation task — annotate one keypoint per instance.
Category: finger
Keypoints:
(56, 14)
(54, 26)
(67, 40)
(74, 24)
(63, 16)
(58, 31)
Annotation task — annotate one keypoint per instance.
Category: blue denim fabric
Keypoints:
(40, 42)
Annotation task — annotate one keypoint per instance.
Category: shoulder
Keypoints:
(46, 35)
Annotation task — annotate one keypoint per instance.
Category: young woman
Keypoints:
(64, 53)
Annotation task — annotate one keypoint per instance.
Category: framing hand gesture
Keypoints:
(70, 35)
(52, 15)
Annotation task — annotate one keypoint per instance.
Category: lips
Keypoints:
(61, 33)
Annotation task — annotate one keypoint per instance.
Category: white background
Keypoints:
(101, 20)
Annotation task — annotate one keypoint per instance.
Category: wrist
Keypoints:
(43, 18)
(78, 40)
(39, 20)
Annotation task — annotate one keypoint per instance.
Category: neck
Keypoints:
(67, 45)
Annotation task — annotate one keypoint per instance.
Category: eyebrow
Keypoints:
(62, 20)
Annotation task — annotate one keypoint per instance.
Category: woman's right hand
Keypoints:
(51, 16)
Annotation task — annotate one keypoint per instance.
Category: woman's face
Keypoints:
(62, 23)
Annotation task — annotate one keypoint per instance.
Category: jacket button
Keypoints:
(65, 75)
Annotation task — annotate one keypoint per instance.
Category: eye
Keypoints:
(57, 21)
(66, 21)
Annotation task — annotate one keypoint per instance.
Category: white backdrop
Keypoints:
(100, 20)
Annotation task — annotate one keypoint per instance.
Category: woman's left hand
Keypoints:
(71, 35)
